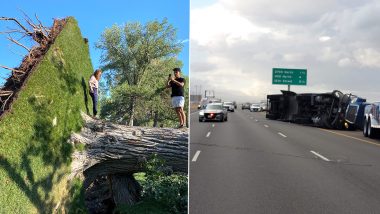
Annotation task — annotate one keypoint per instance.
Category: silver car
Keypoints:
(255, 107)
(213, 112)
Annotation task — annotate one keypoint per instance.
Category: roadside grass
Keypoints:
(34, 154)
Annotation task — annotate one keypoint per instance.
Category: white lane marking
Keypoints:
(196, 156)
(266, 126)
(282, 134)
(257, 120)
(320, 156)
(208, 134)
(213, 125)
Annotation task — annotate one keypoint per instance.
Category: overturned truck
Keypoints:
(333, 110)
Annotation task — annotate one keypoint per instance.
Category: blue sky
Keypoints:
(93, 17)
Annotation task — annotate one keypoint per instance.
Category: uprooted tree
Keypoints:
(42, 36)
(112, 152)
(118, 151)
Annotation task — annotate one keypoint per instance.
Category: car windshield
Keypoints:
(255, 105)
(228, 103)
(214, 107)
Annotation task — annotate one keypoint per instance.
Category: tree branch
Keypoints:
(12, 69)
(5, 102)
(18, 23)
(41, 25)
(5, 93)
(28, 20)
(12, 31)
(18, 43)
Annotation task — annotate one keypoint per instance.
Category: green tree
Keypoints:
(129, 55)
(154, 107)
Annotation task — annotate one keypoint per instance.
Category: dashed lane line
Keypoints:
(282, 134)
(196, 156)
(266, 126)
(208, 134)
(213, 125)
(320, 156)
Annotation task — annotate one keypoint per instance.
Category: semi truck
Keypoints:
(333, 110)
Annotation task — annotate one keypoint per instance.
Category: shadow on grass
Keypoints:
(84, 86)
(47, 144)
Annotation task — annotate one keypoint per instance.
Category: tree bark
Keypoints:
(116, 152)
(124, 189)
(155, 121)
(113, 149)
(132, 110)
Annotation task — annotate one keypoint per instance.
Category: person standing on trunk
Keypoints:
(177, 84)
(94, 85)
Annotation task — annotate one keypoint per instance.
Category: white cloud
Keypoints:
(368, 57)
(215, 23)
(345, 62)
(236, 43)
(293, 57)
(324, 38)
(184, 41)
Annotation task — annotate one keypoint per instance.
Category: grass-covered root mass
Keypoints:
(34, 154)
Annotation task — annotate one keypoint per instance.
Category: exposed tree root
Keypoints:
(44, 37)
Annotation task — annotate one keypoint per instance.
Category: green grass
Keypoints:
(76, 204)
(34, 154)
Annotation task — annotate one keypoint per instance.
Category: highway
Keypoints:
(254, 165)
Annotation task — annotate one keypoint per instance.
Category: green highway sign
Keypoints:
(286, 76)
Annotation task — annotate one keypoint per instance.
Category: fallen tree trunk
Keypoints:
(118, 151)
(112, 148)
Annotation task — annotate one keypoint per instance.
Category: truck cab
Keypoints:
(371, 120)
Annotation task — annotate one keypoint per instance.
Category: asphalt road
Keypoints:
(253, 165)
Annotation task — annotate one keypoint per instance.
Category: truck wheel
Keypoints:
(365, 128)
(200, 120)
(371, 131)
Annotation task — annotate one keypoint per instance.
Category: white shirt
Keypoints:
(93, 83)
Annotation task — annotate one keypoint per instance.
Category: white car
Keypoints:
(255, 107)
(214, 112)
(229, 106)
(264, 106)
